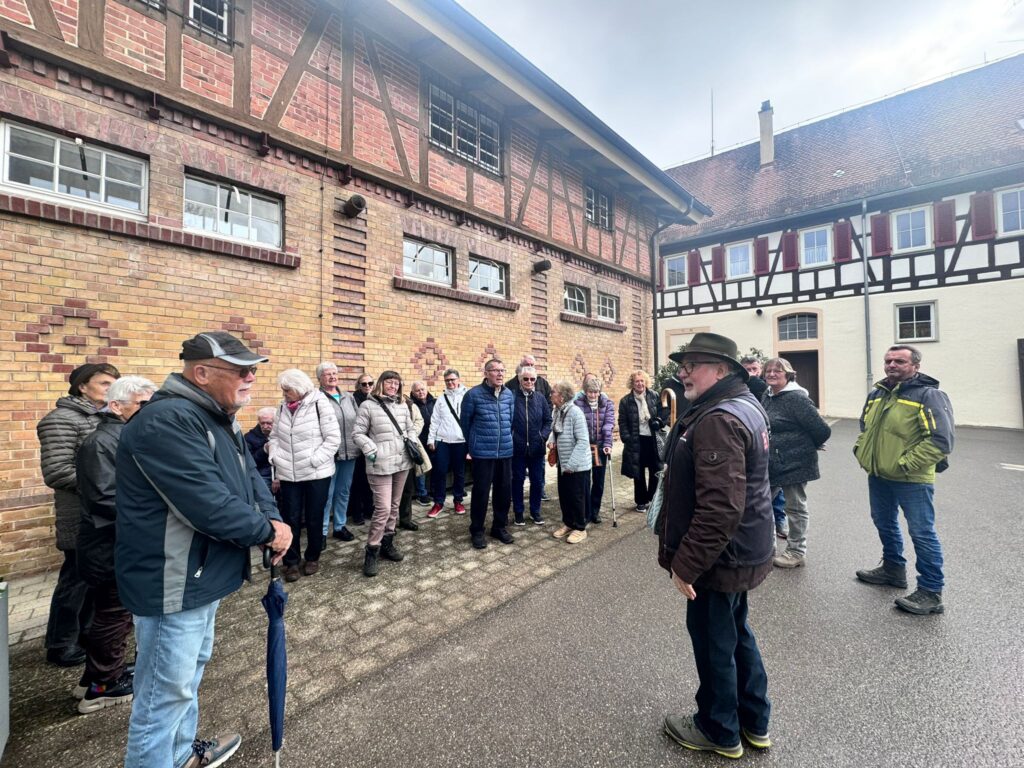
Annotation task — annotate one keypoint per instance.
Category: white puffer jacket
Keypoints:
(375, 434)
(303, 444)
(444, 425)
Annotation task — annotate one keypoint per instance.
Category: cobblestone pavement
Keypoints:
(341, 627)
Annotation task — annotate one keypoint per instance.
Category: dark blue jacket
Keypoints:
(190, 503)
(256, 441)
(531, 423)
(486, 422)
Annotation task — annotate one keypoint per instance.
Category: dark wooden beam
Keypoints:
(297, 65)
(44, 19)
(427, 47)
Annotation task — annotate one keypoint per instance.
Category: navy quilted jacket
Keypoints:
(486, 420)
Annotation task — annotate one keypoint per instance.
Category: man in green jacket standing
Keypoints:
(906, 431)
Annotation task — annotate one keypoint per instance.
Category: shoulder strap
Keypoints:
(450, 408)
(390, 415)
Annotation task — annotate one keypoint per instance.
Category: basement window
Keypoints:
(426, 261)
(486, 276)
(232, 213)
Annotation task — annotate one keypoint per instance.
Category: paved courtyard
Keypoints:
(544, 654)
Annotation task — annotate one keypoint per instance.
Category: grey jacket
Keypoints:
(569, 432)
(797, 432)
(375, 434)
(345, 408)
(61, 433)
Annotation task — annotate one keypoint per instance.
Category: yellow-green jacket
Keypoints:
(906, 430)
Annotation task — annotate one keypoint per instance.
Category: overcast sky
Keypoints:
(647, 67)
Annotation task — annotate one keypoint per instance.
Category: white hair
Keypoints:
(295, 379)
(266, 411)
(527, 369)
(123, 390)
(325, 366)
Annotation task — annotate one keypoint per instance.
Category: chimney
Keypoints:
(767, 138)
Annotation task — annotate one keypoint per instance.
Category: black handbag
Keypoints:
(412, 448)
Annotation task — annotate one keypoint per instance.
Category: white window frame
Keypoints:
(729, 274)
(232, 190)
(459, 127)
(1019, 191)
(791, 315)
(582, 296)
(607, 307)
(502, 270)
(681, 258)
(926, 210)
(222, 14)
(828, 247)
(934, 308)
(597, 207)
(65, 198)
(422, 247)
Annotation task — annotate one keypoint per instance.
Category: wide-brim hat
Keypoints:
(221, 345)
(714, 345)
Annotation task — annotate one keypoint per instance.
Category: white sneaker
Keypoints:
(576, 537)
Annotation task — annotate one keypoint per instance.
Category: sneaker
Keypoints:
(519, 521)
(216, 751)
(502, 535)
(435, 511)
(81, 688)
(479, 542)
(103, 695)
(682, 730)
(756, 740)
(562, 532)
(781, 532)
(423, 501)
(459, 509)
(344, 534)
(641, 507)
(538, 520)
(544, 496)
(886, 574)
(576, 537)
(789, 559)
(921, 602)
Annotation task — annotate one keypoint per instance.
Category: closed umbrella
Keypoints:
(277, 655)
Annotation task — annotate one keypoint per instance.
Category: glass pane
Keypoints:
(31, 145)
(266, 209)
(80, 158)
(200, 191)
(124, 195)
(268, 232)
(79, 184)
(235, 199)
(234, 225)
(121, 169)
(201, 217)
(31, 172)
(906, 331)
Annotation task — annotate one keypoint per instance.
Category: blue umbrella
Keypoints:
(277, 655)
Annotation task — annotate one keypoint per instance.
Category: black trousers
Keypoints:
(70, 606)
(596, 489)
(405, 505)
(107, 638)
(645, 479)
(573, 497)
(490, 474)
(360, 499)
(305, 499)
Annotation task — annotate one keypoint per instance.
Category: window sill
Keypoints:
(568, 317)
(446, 292)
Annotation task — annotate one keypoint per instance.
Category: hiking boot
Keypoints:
(921, 602)
(886, 574)
(562, 532)
(756, 740)
(502, 535)
(683, 730)
(216, 751)
(408, 525)
(344, 534)
(291, 573)
(389, 551)
(576, 537)
(310, 567)
(435, 511)
(789, 559)
(103, 695)
(459, 508)
(479, 542)
(370, 561)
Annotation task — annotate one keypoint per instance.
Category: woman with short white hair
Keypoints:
(572, 455)
(303, 444)
(345, 409)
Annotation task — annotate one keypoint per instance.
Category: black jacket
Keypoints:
(256, 442)
(542, 386)
(427, 412)
(629, 428)
(798, 431)
(95, 466)
(531, 424)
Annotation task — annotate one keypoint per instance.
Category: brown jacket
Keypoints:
(716, 527)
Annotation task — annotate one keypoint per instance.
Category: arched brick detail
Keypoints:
(64, 319)
(239, 327)
(429, 362)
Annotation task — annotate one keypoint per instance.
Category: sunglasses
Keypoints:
(241, 370)
(527, 378)
(365, 383)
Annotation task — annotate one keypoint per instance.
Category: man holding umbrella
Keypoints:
(190, 504)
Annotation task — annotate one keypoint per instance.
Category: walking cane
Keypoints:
(611, 481)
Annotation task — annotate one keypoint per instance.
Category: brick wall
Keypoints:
(134, 39)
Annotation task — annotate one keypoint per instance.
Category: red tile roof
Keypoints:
(958, 126)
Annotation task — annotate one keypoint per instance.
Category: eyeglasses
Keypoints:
(495, 370)
(527, 378)
(449, 381)
(689, 365)
(774, 372)
(241, 370)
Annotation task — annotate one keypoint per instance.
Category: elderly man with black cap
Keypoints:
(61, 433)
(190, 504)
(717, 540)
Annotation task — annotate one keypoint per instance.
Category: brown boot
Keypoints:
(291, 573)
(310, 567)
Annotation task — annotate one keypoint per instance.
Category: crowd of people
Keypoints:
(159, 495)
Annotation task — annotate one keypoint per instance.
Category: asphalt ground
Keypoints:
(579, 666)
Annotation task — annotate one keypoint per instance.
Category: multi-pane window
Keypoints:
(464, 129)
(738, 261)
(814, 247)
(574, 300)
(72, 169)
(426, 261)
(911, 229)
(228, 211)
(796, 327)
(212, 16)
(916, 322)
(598, 207)
(675, 271)
(1011, 210)
(486, 276)
(608, 307)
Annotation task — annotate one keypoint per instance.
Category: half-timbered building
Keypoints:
(898, 221)
(383, 183)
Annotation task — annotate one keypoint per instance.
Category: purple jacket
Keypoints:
(601, 432)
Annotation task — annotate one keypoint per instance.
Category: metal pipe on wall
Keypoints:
(867, 298)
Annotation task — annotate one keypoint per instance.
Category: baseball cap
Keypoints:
(221, 345)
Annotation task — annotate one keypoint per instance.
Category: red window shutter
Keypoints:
(983, 216)
(842, 235)
(693, 267)
(944, 217)
(881, 242)
(718, 264)
(761, 256)
(790, 255)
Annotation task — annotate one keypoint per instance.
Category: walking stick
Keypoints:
(611, 481)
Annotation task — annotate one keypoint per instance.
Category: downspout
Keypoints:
(867, 299)
(654, 280)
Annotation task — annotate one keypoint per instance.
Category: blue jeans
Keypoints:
(733, 690)
(779, 510)
(420, 490)
(172, 651)
(337, 495)
(917, 501)
(521, 465)
(448, 456)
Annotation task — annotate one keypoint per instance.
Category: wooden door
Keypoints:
(806, 366)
